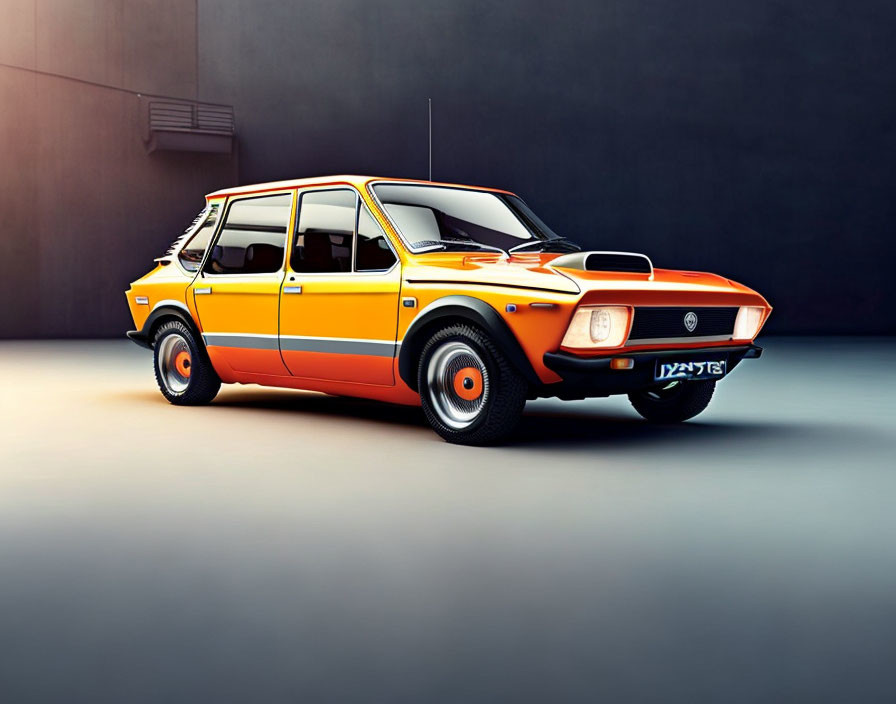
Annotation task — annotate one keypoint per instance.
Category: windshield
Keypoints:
(441, 217)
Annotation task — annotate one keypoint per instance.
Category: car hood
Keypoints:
(524, 271)
(535, 271)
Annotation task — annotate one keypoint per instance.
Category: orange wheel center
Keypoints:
(182, 363)
(468, 383)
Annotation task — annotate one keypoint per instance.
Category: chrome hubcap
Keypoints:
(458, 384)
(175, 363)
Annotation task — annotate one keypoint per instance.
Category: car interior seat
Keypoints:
(262, 257)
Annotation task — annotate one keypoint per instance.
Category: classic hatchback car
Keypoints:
(457, 298)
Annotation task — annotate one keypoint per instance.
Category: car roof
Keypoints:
(359, 182)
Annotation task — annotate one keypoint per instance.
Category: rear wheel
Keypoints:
(184, 372)
(673, 403)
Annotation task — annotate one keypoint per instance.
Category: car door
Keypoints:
(237, 293)
(339, 306)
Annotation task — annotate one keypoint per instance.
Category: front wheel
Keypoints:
(673, 403)
(471, 394)
(183, 370)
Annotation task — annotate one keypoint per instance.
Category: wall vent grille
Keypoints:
(182, 125)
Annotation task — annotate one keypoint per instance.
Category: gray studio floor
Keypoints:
(282, 546)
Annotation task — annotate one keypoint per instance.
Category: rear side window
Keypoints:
(253, 238)
(191, 253)
(325, 231)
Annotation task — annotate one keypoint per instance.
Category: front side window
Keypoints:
(191, 253)
(325, 231)
(372, 252)
(253, 237)
(336, 233)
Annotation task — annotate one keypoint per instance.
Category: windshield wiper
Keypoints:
(567, 245)
(431, 245)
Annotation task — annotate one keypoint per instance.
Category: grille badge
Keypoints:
(690, 321)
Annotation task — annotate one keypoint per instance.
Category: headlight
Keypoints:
(746, 325)
(598, 326)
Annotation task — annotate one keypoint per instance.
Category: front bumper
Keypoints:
(584, 377)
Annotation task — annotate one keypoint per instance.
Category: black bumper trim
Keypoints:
(592, 376)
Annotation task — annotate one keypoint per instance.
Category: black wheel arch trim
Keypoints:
(167, 310)
(470, 309)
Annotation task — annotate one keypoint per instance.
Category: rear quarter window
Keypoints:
(190, 255)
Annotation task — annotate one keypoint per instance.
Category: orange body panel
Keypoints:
(399, 393)
(352, 368)
(306, 341)
(341, 306)
(236, 305)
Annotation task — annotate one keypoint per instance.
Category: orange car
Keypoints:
(457, 298)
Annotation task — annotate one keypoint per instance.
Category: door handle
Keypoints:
(292, 289)
(202, 291)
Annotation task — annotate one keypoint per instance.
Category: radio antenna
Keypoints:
(429, 100)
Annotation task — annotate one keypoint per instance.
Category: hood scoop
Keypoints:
(625, 262)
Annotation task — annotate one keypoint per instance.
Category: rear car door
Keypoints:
(237, 293)
(339, 308)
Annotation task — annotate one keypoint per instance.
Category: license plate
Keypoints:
(670, 371)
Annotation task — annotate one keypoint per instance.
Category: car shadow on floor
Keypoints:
(554, 428)
(558, 429)
(321, 405)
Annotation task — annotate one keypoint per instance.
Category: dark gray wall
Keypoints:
(754, 139)
(83, 208)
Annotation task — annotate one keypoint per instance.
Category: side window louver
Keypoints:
(208, 212)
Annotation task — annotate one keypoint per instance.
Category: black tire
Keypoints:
(486, 419)
(673, 404)
(200, 384)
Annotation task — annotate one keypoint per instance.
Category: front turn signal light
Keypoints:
(598, 326)
(747, 323)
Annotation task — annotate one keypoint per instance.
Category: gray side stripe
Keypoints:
(252, 342)
(371, 348)
(330, 345)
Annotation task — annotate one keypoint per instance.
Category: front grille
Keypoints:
(659, 323)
